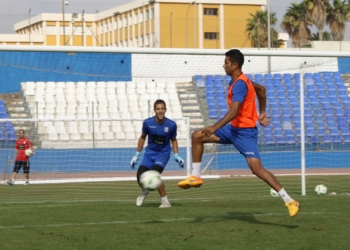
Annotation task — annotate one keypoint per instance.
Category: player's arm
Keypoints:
(261, 95)
(141, 142)
(175, 147)
(139, 148)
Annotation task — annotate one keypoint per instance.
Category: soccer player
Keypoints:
(21, 159)
(161, 131)
(238, 127)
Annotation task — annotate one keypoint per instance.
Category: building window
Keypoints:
(211, 35)
(147, 15)
(210, 11)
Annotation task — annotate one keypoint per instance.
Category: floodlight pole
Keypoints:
(64, 25)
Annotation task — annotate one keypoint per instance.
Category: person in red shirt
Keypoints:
(21, 159)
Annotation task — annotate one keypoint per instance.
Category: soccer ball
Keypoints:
(321, 189)
(150, 180)
(273, 193)
(28, 152)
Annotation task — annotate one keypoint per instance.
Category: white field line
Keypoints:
(160, 220)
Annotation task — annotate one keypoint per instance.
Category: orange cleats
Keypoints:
(191, 181)
(293, 208)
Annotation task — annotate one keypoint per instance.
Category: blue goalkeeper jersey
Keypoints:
(159, 135)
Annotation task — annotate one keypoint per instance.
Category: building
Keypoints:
(155, 23)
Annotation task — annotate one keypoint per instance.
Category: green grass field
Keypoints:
(232, 213)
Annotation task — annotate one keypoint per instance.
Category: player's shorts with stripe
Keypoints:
(20, 164)
(244, 139)
(151, 159)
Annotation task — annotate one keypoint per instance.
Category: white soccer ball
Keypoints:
(321, 189)
(274, 193)
(150, 180)
(28, 152)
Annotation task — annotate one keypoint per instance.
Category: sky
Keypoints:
(13, 11)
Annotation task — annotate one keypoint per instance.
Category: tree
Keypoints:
(326, 36)
(296, 23)
(317, 11)
(337, 15)
(257, 30)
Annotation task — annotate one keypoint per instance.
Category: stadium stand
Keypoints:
(327, 106)
(100, 100)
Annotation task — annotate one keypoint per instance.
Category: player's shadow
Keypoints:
(247, 217)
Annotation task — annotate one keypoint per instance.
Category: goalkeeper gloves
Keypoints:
(134, 160)
(179, 160)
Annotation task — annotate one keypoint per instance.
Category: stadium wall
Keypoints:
(105, 160)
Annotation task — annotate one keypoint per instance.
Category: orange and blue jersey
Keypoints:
(242, 131)
(247, 114)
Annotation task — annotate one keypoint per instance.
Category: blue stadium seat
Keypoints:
(307, 75)
(277, 76)
(227, 79)
(277, 126)
(267, 76)
(258, 77)
(249, 76)
(336, 74)
(281, 140)
(316, 75)
(328, 81)
(269, 140)
(327, 139)
(2, 137)
(11, 136)
(290, 139)
(345, 131)
(212, 113)
(326, 74)
(346, 138)
(338, 80)
(336, 138)
(333, 131)
(313, 139)
(287, 76)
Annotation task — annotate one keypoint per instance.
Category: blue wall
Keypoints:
(60, 66)
(344, 65)
(104, 160)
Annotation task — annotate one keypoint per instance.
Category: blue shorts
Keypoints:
(244, 139)
(151, 159)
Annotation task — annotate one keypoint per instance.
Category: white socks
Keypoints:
(285, 196)
(165, 199)
(196, 169)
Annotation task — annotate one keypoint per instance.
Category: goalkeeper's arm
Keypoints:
(140, 144)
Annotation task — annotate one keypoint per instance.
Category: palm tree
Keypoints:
(257, 30)
(317, 11)
(337, 15)
(296, 23)
(326, 36)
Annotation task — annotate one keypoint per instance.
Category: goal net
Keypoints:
(84, 109)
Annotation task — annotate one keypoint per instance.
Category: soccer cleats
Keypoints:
(26, 183)
(293, 208)
(141, 198)
(191, 181)
(165, 205)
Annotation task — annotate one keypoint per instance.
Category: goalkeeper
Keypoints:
(160, 131)
(238, 127)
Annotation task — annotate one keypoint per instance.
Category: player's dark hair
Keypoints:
(159, 101)
(21, 130)
(235, 56)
